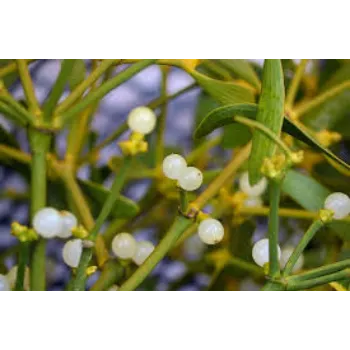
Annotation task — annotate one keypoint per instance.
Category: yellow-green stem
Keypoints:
(273, 228)
(179, 226)
(28, 86)
(310, 233)
(294, 85)
(84, 85)
(39, 143)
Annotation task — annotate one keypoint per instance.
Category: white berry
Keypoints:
(12, 277)
(48, 222)
(142, 120)
(252, 191)
(143, 250)
(4, 284)
(339, 203)
(261, 252)
(253, 202)
(190, 179)
(211, 231)
(286, 253)
(124, 245)
(72, 251)
(173, 166)
(69, 222)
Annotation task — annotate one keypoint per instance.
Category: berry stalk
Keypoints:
(310, 233)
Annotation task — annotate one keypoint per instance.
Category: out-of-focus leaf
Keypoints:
(270, 114)
(310, 195)
(123, 207)
(236, 135)
(223, 116)
(78, 74)
(223, 92)
(333, 111)
(214, 70)
(9, 79)
(240, 240)
(7, 139)
(205, 104)
(327, 69)
(243, 69)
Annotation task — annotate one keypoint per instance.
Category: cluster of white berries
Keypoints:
(142, 120)
(253, 192)
(124, 246)
(261, 255)
(175, 168)
(49, 222)
(339, 204)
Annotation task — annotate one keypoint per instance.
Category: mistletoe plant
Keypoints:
(279, 120)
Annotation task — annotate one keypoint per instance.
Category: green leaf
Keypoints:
(310, 195)
(243, 69)
(235, 135)
(123, 208)
(78, 74)
(333, 111)
(270, 114)
(225, 115)
(223, 92)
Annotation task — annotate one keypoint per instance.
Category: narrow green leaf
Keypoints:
(334, 111)
(123, 208)
(270, 114)
(225, 115)
(310, 195)
(78, 74)
(243, 69)
(223, 92)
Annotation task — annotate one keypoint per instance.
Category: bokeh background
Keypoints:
(114, 108)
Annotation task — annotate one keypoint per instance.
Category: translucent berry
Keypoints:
(211, 231)
(124, 245)
(286, 253)
(253, 202)
(252, 191)
(12, 277)
(142, 120)
(72, 251)
(190, 179)
(4, 284)
(69, 221)
(48, 222)
(339, 203)
(143, 250)
(261, 252)
(173, 166)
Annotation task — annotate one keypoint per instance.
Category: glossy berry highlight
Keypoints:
(124, 245)
(191, 179)
(173, 166)
(142, 120)
(48, 222)
(211, 231)
(260, 252)
(339, 204)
